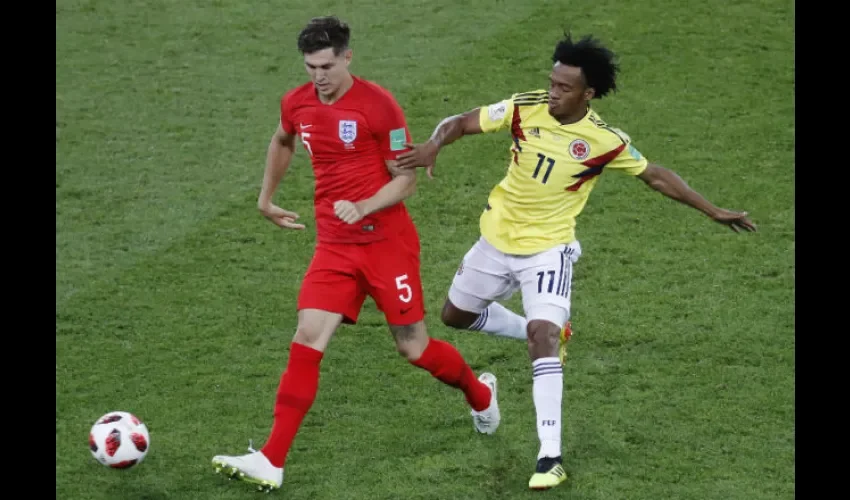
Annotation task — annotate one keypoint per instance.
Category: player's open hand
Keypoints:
(282, 218)
(736, 221)
(420, 155)
(348, 212)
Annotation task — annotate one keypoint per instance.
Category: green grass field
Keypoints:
(175, 299)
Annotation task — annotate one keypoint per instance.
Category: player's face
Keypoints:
(568, 91)
(327, 71)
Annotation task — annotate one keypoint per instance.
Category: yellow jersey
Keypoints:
(552, 170)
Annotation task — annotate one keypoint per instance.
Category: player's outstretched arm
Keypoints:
(668, 183)
(279, 155)
(447, 131)
(401, 187)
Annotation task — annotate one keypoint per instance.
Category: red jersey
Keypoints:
(348, 142)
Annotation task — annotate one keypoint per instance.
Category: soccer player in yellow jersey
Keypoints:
(559, 148)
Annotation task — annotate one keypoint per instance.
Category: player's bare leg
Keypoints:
(446, 364)
(455, 317)
(543, 343)
(492, 318)
(295, 395)
(410, 340)
(316, 328)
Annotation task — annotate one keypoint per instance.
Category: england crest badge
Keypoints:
(347, 131)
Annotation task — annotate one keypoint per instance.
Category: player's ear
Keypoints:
(347, 55)
(589, 92)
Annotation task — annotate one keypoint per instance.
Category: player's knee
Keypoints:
(410, 340)
(453, 317)
(448, 316)
(308, 335)
(543, 336)
(410, 351)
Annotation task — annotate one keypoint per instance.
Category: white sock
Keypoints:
(498, 320)
(548, 392)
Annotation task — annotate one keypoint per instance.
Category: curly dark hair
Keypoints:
(595, 60)
(323, 32)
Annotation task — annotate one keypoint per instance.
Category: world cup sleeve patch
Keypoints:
(496, 112)
(397, 139)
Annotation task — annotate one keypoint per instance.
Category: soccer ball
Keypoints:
(119, 440)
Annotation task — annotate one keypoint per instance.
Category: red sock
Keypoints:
(446, 364)
(295, 395)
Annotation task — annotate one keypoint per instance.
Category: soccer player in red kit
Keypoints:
(367, 243)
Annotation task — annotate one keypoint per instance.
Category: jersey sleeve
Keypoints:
(629, 161)
(389, 127)
(285, 114)
(496, 116)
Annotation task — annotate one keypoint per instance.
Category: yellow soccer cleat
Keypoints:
(566, 333)
(550, 473)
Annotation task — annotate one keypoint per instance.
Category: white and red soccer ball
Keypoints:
(119, 440)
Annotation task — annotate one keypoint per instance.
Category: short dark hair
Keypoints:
(323, 32)
(595, 60)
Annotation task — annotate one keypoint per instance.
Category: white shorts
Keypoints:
(544, 279)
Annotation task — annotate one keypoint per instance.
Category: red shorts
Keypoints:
(341, 275)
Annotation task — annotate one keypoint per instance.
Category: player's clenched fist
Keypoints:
(348, 212)
(281, 217)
